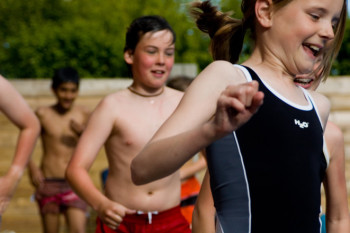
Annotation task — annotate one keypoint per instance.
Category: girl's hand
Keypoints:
(112, 213)
(235, 106)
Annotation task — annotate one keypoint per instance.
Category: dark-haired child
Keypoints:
(62, 125)
(123, 123)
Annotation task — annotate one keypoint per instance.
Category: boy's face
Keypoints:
(153, 58)
(66, 94)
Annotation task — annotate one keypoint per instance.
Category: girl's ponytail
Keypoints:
(226, 33)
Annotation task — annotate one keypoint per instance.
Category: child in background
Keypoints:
(62, 124)
(123, 123)
(190, 185)
(19, 113)
(264, 135)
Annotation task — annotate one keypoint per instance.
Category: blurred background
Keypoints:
(38, 36)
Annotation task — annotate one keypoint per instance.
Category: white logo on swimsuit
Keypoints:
(302, 125)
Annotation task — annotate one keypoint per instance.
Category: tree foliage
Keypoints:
(38, 36)
(342, 64)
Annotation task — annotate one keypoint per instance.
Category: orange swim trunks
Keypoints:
(189, 193)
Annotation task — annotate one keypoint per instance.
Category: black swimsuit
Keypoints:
(266, 176)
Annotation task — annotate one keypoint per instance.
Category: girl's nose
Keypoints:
(327, 31)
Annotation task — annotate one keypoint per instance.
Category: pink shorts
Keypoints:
(168, 221)
(55, 196)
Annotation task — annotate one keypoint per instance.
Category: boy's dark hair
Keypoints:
(140, 26)
(64, 75)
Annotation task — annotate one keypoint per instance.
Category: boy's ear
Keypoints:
(129, 57)
(263, 12)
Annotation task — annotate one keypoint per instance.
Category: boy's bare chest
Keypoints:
(137, 127)
(58, 126)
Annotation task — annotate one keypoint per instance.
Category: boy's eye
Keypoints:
(151, 51)
(169, 54)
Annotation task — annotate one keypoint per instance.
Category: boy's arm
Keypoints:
(20, 114)
(93, 138)
(337, 211)
(203, 219)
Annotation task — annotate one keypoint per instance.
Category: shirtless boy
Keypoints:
(62, 124)
(124, 122)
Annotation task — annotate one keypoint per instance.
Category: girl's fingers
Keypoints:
(239, 97)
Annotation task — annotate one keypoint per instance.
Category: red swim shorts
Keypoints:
(168, 221)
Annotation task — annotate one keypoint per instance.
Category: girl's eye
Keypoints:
(314, 16)
(334, 25)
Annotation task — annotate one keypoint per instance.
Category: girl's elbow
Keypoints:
(136, 176)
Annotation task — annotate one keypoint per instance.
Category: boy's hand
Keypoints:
(112, 213)
(235, 106)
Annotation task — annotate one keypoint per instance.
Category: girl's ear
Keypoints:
(129, 57)
(263, 12)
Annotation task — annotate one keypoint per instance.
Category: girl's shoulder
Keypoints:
(323, 105)
(224, 72)
(334, 139)
(333, 132)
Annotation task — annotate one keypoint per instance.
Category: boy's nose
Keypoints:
(161, 59)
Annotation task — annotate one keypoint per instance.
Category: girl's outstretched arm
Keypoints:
(218, 101)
